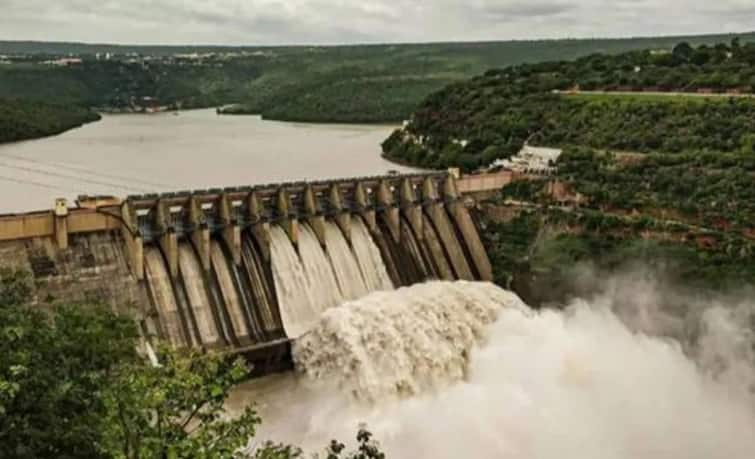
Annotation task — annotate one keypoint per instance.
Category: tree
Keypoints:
(367, 448)
(748, 144)
(52, 367)
(15, 287)
(175, 410)
(72, 385)
(683, 51)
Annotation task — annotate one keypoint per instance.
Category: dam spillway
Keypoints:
(246, 269)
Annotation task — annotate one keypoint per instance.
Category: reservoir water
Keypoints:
(133, 154)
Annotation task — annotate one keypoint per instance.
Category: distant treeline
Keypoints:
(21, 120)
(118, 84)
(471, 124)
(19, 47)
(371, 83)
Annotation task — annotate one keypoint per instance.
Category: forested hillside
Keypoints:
(373, 83)
(646, 124)
(687, 217)
(473, 123)
(388, 82)
(20, 120)
(115, 84)
(655, 179)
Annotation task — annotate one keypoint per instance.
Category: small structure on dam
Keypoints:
(247, 269)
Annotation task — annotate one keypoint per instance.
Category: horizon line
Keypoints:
(377, 43)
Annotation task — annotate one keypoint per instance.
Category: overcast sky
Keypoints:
(271, 22)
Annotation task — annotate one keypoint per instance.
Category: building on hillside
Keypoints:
(65, 62)
(531, 160)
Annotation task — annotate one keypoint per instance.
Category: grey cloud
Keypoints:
(524, 9)
(346, 21)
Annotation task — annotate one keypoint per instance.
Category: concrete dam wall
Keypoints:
(247, 269)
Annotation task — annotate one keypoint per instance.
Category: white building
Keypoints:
(537, 160)
(65, 61)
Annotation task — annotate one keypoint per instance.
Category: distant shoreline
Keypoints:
(26, 120)
(51, 134)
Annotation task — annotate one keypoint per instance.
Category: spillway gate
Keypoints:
(221, 268)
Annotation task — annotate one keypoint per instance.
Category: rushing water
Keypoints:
(310, 280)
(449, 370)
(401, 343)
(127, 154)
(368, 256)
(323, 286)
(298, 312)
(344, 264)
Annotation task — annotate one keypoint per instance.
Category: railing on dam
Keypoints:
(226, 267)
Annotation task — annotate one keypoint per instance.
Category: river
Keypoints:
(134, 154)
(434, 374)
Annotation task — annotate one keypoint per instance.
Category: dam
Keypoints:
(247, 269)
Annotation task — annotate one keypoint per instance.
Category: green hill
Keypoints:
(652, 184)
(370, 83)
(472, 123)
(685, 219)
(21, 120)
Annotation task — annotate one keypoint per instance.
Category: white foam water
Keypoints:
(368, 256)
(449, 370)
(344, 264)
(401, 343)
(323, 286)
(298, 314)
